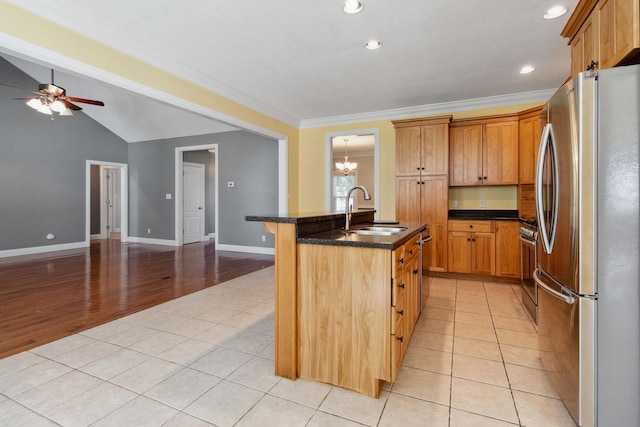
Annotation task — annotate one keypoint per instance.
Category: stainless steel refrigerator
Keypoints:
(589, 232)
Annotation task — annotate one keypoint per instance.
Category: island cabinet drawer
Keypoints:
(411, 249)
(399, 311)
(472, 226)
(399, 289)
(398, 346)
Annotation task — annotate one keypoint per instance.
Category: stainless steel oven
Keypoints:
(529, 262)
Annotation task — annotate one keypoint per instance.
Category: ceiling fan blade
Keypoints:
(85, 101)
(71, 106)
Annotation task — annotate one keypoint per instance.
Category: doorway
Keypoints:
(193, 202)
(112, 212)
(181, 197)
(363, 148)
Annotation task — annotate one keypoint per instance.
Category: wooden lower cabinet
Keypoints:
(472, 247)
(508, 249)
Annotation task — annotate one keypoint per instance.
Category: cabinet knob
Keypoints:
(415, 271)
(473, 240)
(410, 251)
(400, 339)
(592, 66)
(402, 286)
(479, 178)
(401, 312)
(485, 177)
(468, 239)
(470, 225)
(401, 260)
(422, 168)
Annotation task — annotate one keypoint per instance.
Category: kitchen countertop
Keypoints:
(484, 214)
(327, 228)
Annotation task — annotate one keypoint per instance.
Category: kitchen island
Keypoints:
(346, 303)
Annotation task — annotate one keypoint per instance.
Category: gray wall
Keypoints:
(249, 160)
(42, 167)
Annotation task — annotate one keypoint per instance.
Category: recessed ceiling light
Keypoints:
(527, 69)
(352, 6)
(555, 12)
(373, 44)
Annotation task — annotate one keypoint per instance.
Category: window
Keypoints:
(341, 185)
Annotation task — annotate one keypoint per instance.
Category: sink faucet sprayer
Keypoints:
(349, 207)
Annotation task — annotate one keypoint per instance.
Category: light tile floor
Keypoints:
(207, 359)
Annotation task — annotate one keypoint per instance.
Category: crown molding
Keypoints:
(432, 109)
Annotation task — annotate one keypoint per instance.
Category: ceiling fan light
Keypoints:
(58, 106)
(555, 12)
(44, 109)
(34, 103)
(373, 44)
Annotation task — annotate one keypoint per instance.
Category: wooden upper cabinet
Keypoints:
(465, 155)
(484, 151)
(422, 146)
(531, 125)
(619, 32)
(606, 32)
(500, 153)
(585, 53)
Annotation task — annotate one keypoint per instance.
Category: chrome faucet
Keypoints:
(349, 207)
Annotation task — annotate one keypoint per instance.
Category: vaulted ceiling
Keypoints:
(304, 62)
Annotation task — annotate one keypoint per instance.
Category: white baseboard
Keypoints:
(150, 241)
(42, 249)
(95, 236)
(212, 236)
(246, 249)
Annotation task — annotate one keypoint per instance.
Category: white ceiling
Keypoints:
(304, 62)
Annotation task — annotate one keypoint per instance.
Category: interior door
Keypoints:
(193, 202)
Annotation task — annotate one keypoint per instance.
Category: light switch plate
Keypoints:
(168, 196)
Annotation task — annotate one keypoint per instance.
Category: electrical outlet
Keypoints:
(148, 231)
(454, 203)
(264, 238)
(482, 204)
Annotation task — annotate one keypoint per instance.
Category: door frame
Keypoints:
(203, 178)
(103, 196)
(179, 159)
(124, 198)
(376, 162)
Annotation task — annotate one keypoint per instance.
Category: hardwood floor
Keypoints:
(49, 296)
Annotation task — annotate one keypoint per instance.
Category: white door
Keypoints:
(192, 202)
(110, 207)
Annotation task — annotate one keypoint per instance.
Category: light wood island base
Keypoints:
(344, 312)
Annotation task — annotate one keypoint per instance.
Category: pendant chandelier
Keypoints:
(346, 167)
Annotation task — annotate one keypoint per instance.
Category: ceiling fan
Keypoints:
(51, 98)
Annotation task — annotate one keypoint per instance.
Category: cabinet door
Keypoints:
(584, 46)
(465, 155)
(435, 149)
(508, 249)
(459, 260)
(500, 153)
(618, 30)
(483, 253)
(408, 198)
(434, 200)
(529, 135)
(408, 140)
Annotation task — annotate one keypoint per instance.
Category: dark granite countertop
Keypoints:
(327, 228)
(484, 214)
(338, 237)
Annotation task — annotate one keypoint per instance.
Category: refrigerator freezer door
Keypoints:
(566, 338)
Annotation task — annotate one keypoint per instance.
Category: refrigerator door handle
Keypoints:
(547, 143)
(569, 299)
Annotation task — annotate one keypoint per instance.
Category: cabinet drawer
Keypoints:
(398, 345)
(399, 289)
(399, 311)
(472, 226)
(411, 249)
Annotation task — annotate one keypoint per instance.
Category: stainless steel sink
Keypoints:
(377, 231)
